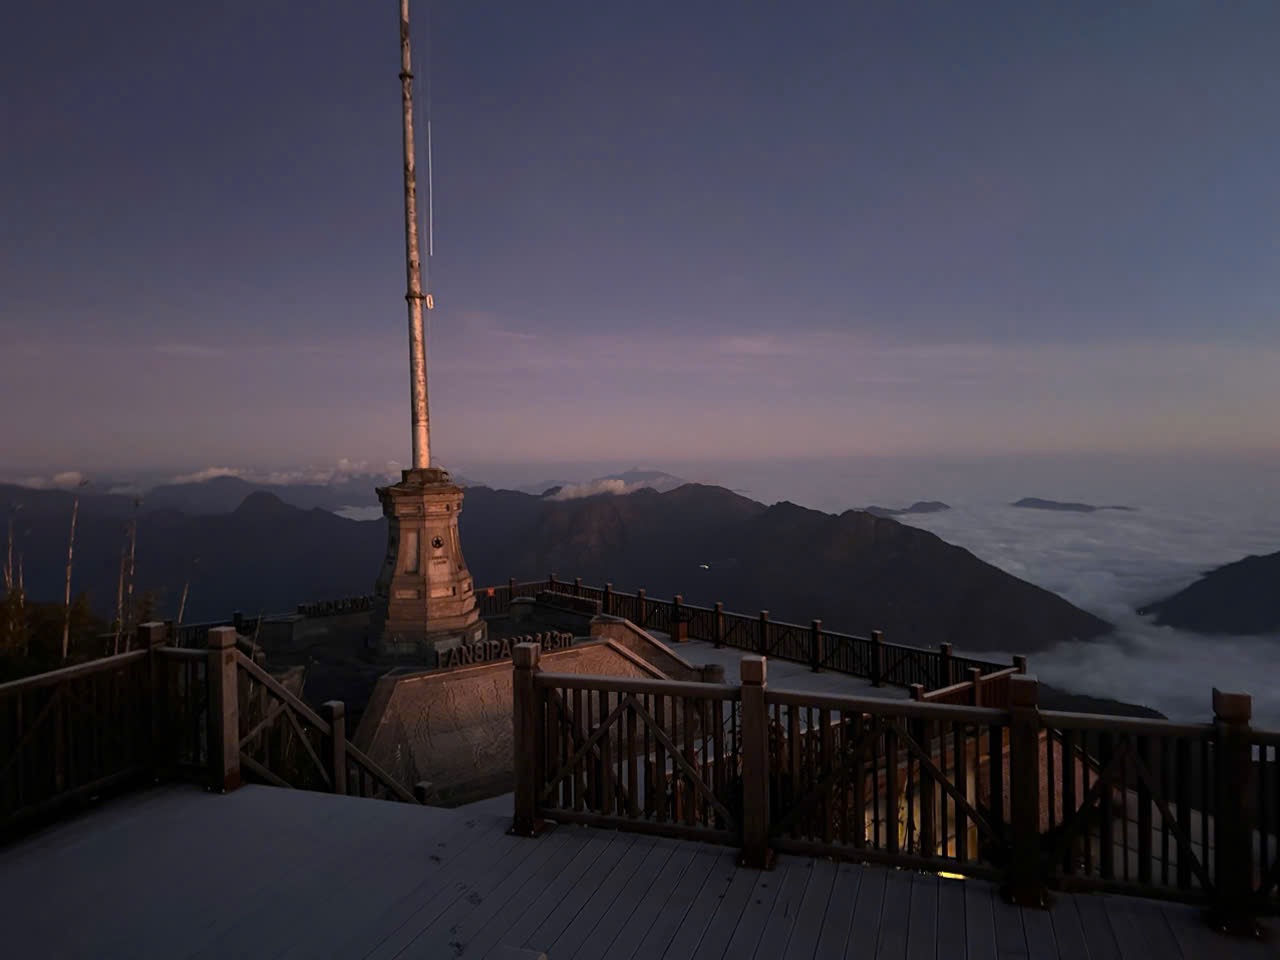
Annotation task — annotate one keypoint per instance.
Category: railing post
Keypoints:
(679, 629)
(719, 625)
(151, 637)
(755, 765)
(641, 609)
(764, 633)
(551, 582)
(527, 716)
(1234, 815)
(511, 589)
(1025, 884)
(817, 650)
(606, 605)
(577, 586)
(335, 758)
(927, 820)
(224, 711)
(1020, 662)
(917, 691)
(877, 658)
(975, 678)
(948, 666)
(712, 673)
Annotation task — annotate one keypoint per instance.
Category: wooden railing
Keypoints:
(868, 657)
(1036, 799)
(262, 731)
(980, 690)
(71, 733)
(161, 712)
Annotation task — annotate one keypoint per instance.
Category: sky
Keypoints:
(668, 231)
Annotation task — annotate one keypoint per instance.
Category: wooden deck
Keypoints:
(782, 673)
(263, 872)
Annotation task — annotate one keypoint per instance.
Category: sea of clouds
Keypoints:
(1188, 517)
(1111, 563)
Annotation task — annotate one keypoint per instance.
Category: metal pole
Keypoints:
(413, 264)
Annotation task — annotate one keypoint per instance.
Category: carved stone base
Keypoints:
(425, 598)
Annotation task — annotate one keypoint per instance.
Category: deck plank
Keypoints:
(396, 911)
(781, 921)
(834, 935)
(922, 929)
(618, 883)
(1068, 933)
(750, 925)
(687, 910)
(895, 916)
(812, 911)
(681, 929)
(951, 920)
(684, 874)
(355, 911)
(1139, 927)
(979, 920)
(1011, 938)
(661, 856)
(457, 930)
(1037, 927)
(543, 892)
(864, 929)
(1097, 928)
(1196, 939)
(706, 933)
(298, 874)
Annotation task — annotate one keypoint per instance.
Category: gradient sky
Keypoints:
(664, 230)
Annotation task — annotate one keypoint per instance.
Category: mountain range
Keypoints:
(1238, 598)
(853, 570)
(1036, 503)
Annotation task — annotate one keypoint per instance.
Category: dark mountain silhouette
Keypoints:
(224, 494)
(265, 556)
(1035, 503)
(1240, 598)
(855, 571)
(920, 506)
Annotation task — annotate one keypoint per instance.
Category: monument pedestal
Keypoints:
(425, 598)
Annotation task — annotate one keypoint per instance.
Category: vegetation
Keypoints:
(31, 635)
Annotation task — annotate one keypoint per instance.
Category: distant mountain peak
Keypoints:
(262, 503)
(920, 506)
(1036, 503)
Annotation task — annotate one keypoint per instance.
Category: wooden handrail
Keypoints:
(182, 653)
(1269, 738)
(881, 706)
(1061, 719)
(670, 688)
(364, 760)
(279, 690)
(63, 674)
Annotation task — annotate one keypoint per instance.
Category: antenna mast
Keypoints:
(413, 263)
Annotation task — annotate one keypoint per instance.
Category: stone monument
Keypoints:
(425, 599)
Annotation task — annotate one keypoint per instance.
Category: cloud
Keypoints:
(592, 488)
(66, 480)
(209, 473)
(1111, 563)
(344, 469)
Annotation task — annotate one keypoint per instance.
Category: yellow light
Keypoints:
(951, 876)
